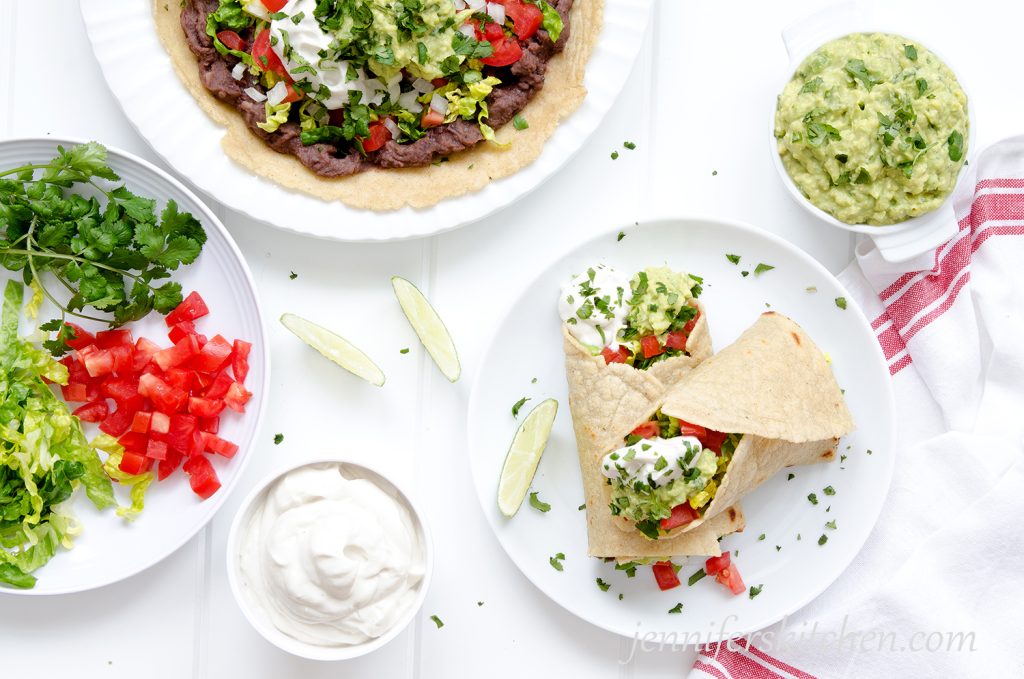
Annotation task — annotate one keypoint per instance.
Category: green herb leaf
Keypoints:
(813, 499)
(678, 608)
(556, 561)
(518, 405)
(823, 539)
(603, 585)
(762, 268)
(538, 504)
(858, 71)
(829, 490)
(519, 122)
(910, 51)
(696, 577)
(955, 141)
(735, 259)
(841, 302)
(278, 439)
(754, 591)
(437, 621)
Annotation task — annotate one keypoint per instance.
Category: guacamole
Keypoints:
(659, 293)
(873, 129)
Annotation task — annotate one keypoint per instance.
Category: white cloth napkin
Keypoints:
(947, 557)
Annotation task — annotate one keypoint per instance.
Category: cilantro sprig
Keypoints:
(106, 253)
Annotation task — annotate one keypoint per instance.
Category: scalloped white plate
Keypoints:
(109, 548)
(142, 78)
(779, 508)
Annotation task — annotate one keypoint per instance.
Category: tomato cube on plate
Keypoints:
(665, 575)
(219, 388)
(156, 449)
(141, 422)
(174, 356)
(213, 355)
(191, 308)
(166, 398)
(237, 397)
(117, 422)
(144, 350)
(215, 444)
(202, 476)
(240, 360)
(166, 466)
(205, 407)
(112, 338)
(134, 463)
(181, 330)
(96, 411)
(74, 393)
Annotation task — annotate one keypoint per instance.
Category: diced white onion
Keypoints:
(238, 71)
(392, 128)
(467, 30)
(439, 104)
(409, 103)
(496, 12)
(255, 94)
(459, 5)
(277, 93)
(476, 5)
(422, 86)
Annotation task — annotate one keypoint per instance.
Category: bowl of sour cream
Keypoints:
(329, 559)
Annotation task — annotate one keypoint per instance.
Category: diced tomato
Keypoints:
(379, 135)
(506, 52)
(695, 430)
(76, 368)
(648, 430)
(237, 397)
(274, 5)
(74, 393)
(526, 18)
(160, 423)
(144, 350)
(92, 412)
(179, 434)
(240, 360)
(156, 449)
(117, 422)
(179, 331)
(83, 337)
(439, 82)
(211, 425)
(682, 514)
(232, 40)
(691, 324)
(123, 357)
(266, 59)
(136, 443)
(178, 354)
(197, 444)
(665, 575)
(491, 32)
(120, 389)
(676, 340)
(166, 398)
(204, 407)
(650, 347)
(292, 93)
(615, 355)
(141, 422)
(99, 362)
(431, 118)
(180, 378)
(713, 441)
(725, 572)
(215, 444)
(219, 388)
(167, 465)
(193, 306)
(715, 564)
(201, 476)
(213, 355)
(135, 463)
(112, 338)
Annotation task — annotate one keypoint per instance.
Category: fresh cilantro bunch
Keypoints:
(107, 255)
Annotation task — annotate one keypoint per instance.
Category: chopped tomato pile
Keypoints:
(651, 346)
(665, 575)
(167, 401)
(725, 572)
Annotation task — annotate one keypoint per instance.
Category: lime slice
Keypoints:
(428, 326)
(335, 348)
(524, 456)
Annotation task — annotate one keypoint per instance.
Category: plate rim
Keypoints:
(660, 219)
(169, 548)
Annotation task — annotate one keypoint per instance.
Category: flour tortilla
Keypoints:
(774, 386)
(607, 401)
(418, 187)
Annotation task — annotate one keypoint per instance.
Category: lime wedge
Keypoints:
(428, 326)
(335, 348)
(524, 456)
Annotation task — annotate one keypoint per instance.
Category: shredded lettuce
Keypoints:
(276, 116)
(138, 483)
(44, 454)
(230, 15)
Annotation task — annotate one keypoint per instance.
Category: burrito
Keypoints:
(628, 341)
(766, 402)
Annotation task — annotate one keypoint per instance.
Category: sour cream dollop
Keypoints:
(330, 560)
(594, 304)
(659, 460)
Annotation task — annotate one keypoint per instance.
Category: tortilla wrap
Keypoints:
(607, 402)
(774, 386)
(418, 187)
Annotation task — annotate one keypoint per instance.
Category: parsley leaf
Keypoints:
(754, 591)
(678, 608)
(762, 268)
(603, 585)
(517, 405)
(735, 259)
(538, 504)
(823, 539)
(813, 498)
(278, 439)
(841, 302)
(556, 561)
(437, 621)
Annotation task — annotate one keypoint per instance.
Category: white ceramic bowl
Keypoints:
(260, 621)
(896, 242)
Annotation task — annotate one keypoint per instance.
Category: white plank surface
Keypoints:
(697, 102)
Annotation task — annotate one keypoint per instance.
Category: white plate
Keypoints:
(142, 78)
(109, 548)
(779, 509)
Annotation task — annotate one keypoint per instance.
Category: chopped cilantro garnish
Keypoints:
(696, 577)
(538, 504)
(791, 477)
(831, 524)
(622, 234)
(404, 350)
(437, 621)
(829, 490)
(735, 259)
(278, 438)
(911, 52)
(762, 268)
(678, 608)
(745, 273)
(556, 561)
(629, 145)
(582, 507)
(629, 568)
(754, 591)
(603, 585)
(813, 498)
(823, 539)
(841, 302)
(292, 275)
(519, 122)
(517, 405)
(615, 155)
(760, 537)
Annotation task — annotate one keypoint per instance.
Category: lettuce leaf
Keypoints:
(138, 483)
(276, 116)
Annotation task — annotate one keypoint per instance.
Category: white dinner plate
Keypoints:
(779, 510)
(142, 78)
(109, 548)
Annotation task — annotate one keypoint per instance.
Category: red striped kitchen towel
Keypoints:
(936, 591)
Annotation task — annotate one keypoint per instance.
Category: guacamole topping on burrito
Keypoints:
(666, 472)
(873, 129)
(637, 320)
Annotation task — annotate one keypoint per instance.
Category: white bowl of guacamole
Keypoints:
(871, 132)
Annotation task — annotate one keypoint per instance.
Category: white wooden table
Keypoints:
(696, 106)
